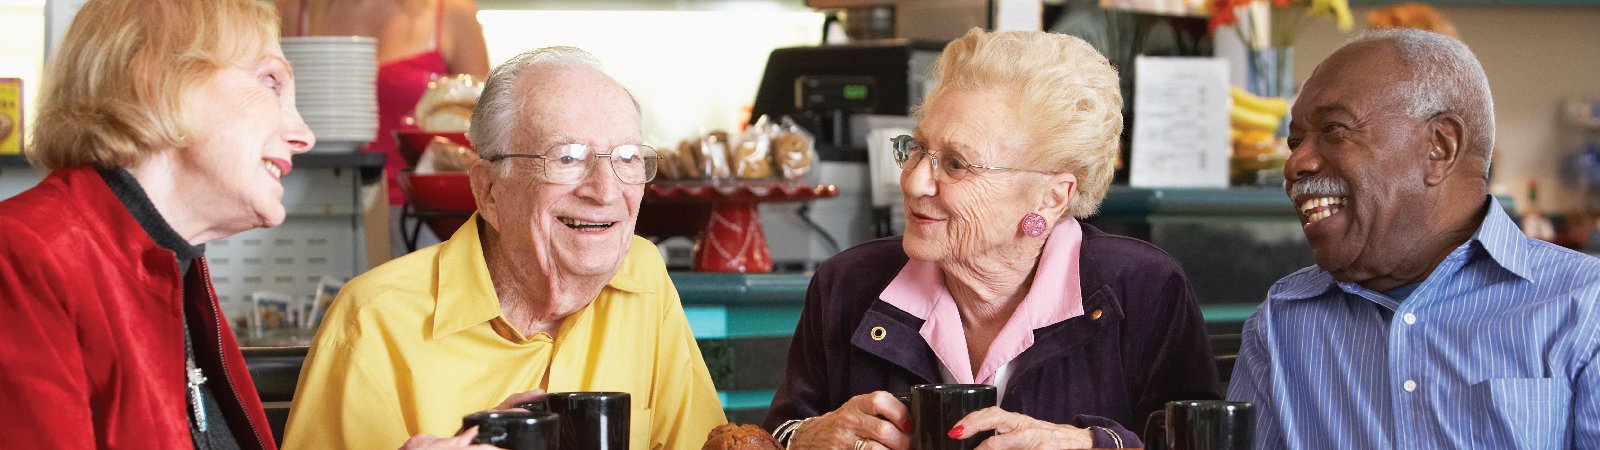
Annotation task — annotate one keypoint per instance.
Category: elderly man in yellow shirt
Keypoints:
(546, 288)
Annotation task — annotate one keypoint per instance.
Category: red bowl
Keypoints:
(413, 142)
(443, 200)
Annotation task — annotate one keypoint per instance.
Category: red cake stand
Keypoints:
(730, 237)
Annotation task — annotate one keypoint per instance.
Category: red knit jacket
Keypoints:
(91, 332)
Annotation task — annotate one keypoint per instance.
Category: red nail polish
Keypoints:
(955, 433)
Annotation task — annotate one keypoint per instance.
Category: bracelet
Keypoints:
(786, 431)
(1115, 438)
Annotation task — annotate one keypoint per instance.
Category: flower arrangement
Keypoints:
(1268, 29)
(1271, 26)
(1284, 27)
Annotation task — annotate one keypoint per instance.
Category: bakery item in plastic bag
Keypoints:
(447, 103)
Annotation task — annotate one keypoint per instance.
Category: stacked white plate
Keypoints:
(336, 88)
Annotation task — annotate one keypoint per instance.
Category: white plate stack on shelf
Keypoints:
(336, 90)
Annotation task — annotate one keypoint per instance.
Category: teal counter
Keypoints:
(738, 305)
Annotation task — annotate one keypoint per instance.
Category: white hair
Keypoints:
(1445, 77)
(494, 119)
(1066, 95)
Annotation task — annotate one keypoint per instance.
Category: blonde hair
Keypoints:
(1066, 94)
(118, 86)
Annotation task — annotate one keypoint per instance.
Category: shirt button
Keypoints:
(1410, 385)
(1410, 318)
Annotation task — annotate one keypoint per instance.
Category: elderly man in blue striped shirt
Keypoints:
(1429, 321)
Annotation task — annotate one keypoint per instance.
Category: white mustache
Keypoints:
(1317, 187)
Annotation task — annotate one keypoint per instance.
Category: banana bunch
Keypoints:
(1252, 113)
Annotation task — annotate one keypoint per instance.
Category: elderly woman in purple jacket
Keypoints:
(995, 281)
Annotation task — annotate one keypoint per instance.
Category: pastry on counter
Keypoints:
(688, 159)
(731, 436)
(447, 104)
(753, 156)
(794, 153)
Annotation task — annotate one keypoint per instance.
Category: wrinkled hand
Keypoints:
(1019, 431)
(858, 418)
(431, 442)
(464, 440)
(518, 399)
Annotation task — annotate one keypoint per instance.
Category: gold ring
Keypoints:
(861, 443)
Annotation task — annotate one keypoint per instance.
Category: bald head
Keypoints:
(1443, 77)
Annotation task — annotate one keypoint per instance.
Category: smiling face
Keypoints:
(1358, 163)
(247, 131)
(964, 221)
(567, 230)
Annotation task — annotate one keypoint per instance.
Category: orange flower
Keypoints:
(1222, 14)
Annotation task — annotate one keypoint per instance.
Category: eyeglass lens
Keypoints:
(569, 163)
(908, 154)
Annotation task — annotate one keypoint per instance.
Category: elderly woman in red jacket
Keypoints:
(163, 125)
(995, 281)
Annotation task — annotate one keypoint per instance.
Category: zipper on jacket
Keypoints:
(222, 354)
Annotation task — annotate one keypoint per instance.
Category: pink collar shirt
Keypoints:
(1054, 296)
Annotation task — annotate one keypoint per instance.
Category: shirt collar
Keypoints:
(1503, 241)
(132, 196)
(1050, 299)
(1498, 236)
(465, 294)
(1054, 296)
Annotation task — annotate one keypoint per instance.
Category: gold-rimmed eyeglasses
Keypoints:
(571, 163)
(908, 154)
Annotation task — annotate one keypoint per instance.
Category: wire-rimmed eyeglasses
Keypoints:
(571, 163)
(908, 154)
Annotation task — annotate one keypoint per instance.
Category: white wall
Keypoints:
(1536, 57)
(22, 48)
(690, 70)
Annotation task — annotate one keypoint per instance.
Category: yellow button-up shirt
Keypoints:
(415, 344)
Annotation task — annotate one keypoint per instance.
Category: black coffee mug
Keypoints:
(589, 420)
(1155, 431)
(935, 408)
(1210, 425)
(516, 430)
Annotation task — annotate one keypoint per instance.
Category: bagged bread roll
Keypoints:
(794, 150)
(752, 155)
(667, 165)
(713, 156)
(447, 104)
(689, 159)
(444, 155)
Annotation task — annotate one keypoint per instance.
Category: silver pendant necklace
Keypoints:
(196, 379)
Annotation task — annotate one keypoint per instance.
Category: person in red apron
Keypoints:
(418, 41)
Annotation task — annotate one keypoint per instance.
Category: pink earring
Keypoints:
(1033, 225)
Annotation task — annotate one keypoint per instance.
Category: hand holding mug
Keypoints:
(877, 420)
(1019, 431)
(519, 398)
(431, 442)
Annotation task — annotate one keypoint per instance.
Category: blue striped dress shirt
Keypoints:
(1494, 350)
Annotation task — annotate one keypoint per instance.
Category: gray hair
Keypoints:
(1445, 77)
(495, 118)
